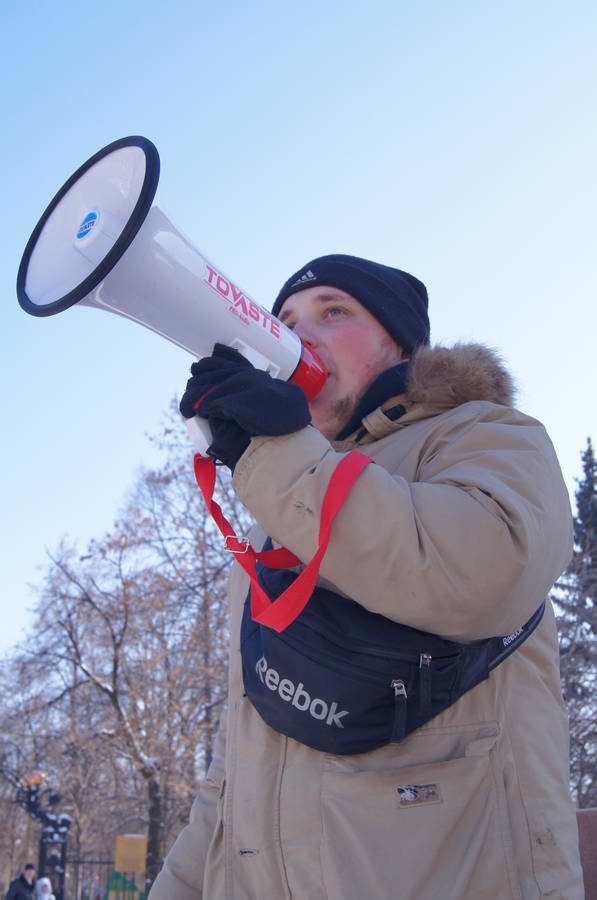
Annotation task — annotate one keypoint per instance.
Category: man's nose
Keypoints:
(307, 331)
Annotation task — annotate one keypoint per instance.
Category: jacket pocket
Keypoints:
(436, 829)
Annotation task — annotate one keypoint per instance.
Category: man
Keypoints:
(22, 887)
(457, 533)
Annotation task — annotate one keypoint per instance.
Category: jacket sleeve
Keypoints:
(181, 877)
(468, 549)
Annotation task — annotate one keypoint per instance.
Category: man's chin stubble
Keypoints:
(339, 416)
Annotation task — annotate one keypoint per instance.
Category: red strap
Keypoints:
(284, 610)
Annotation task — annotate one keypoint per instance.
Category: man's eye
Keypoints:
(334, 311)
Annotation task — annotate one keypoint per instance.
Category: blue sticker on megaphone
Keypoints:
(86, 225)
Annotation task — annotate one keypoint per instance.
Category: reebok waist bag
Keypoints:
(344, 680)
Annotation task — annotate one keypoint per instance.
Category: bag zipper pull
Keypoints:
(424, 682)
(400, 698)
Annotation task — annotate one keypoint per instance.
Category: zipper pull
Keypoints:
(400, 698)
(424, 682)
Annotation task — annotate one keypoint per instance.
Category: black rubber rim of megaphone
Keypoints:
(136, 219)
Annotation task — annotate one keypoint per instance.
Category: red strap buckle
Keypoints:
(239, 541)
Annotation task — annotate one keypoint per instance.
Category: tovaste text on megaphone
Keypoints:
(241, 305)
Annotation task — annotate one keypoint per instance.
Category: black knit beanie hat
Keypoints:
(396, 299)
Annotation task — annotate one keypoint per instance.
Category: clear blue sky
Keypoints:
(455, 140)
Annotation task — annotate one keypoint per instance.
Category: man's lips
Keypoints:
(327, 387)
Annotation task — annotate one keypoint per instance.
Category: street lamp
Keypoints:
(52, 844)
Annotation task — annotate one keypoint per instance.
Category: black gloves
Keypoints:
(239, 402)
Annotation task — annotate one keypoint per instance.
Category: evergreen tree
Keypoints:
(576, 600)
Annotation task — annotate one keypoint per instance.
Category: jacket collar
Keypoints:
(438, 379)
(391, 383)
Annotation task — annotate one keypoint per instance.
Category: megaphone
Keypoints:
(104, 242)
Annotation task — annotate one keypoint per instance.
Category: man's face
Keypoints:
(351, 342)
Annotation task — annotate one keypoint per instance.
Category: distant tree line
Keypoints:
(117, 691)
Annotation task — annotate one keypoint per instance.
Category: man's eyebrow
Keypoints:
(320, 298)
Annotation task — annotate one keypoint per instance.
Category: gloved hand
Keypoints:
(240, 402)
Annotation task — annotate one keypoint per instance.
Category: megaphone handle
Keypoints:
(200, 433)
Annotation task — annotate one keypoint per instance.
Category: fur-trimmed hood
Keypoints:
(446, 377)
(439, 379)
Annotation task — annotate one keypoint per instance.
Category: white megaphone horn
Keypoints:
(103, 242)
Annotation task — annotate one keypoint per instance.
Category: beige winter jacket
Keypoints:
(460, 529)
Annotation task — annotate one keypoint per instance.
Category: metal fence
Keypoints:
(93, 879)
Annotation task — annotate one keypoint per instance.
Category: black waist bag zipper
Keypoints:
(344, 680)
